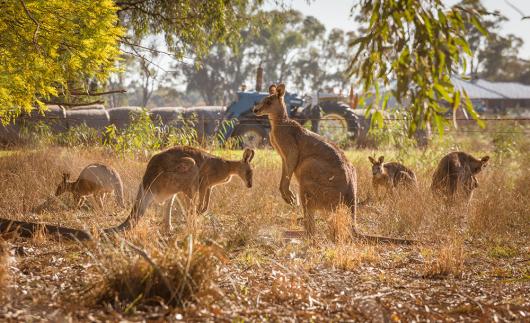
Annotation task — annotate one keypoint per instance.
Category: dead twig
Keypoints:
(157, 269)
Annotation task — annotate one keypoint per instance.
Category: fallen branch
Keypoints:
(30, 229)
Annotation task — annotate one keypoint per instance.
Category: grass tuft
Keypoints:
(170, 273)
(446, 260)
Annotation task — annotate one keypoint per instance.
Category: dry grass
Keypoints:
(4, 267)
(165, 273)
(351, 256)
(304, 276)
(445, 260)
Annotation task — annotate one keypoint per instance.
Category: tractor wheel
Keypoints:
(251, 136)
(338, 122)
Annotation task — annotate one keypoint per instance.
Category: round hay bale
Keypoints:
(93, 118)
(167, 115)
(9, 134)
(121, 117)
(208, 118)
(88, 107)
(54, 117)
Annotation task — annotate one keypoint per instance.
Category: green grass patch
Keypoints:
(502, 252)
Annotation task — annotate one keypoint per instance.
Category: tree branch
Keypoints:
(37, 25)
(81, 93)
(518, 10)
(73, 104)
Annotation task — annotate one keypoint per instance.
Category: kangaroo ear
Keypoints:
(372, 160)
(248, 155)
(280, 90)
(185, 164)
(484, 160)
(272, 89)
(381, 159)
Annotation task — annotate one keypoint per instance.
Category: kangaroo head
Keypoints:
(244, 169)
(469, 184)
(63, 186)
(272, 104)
(476, 166)
(377, 166)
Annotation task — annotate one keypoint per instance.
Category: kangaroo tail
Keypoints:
(142, 202)
(374, 238)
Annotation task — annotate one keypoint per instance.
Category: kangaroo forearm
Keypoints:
(285, 181)
(206, 202)
(204, 199)
(288, 166)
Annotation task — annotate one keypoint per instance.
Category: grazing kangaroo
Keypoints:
(96, 180)
(185, 170)
(391, 175)
(326, 178)
(454, 178)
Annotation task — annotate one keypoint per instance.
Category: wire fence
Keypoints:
(106, 121)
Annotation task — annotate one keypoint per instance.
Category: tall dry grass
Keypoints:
(4, 266)
(253, 219)
(29, 179)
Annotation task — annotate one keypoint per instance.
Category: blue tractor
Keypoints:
(324, 114)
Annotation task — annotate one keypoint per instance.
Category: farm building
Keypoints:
(496, 97)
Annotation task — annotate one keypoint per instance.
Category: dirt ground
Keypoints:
(470, 264)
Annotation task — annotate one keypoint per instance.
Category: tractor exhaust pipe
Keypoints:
(259, 78)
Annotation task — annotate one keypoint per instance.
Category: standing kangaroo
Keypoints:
(96, 180)
(326, 178)
(185, 170)
(454, 178)
(391, 175)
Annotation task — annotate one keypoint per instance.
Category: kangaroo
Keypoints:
(185, 170)
(454, 178)
(326, 178)
(96, 180)
(391, 175)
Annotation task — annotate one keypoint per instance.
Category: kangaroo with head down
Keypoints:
(454, 178)
(326, 178)
(189, 171)
(96, 180)
(391, 175)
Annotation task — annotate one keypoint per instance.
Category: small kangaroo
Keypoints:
(326, 178)
(185, 170)
(454, 178)
(96, 180)
(391, 175)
